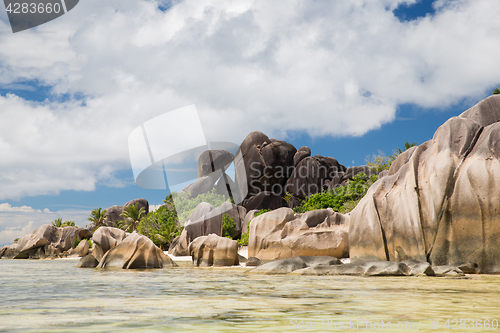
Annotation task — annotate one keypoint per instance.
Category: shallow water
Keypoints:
(55, 296)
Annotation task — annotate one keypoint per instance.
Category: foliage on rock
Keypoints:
(228, 227)
(186, 205)
(162, 225)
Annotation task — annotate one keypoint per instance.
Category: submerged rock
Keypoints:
(88, 261)
(288, 265)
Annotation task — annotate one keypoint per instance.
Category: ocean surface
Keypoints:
(56, 296)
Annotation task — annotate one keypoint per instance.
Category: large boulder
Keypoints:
(264, 200)
(301, 153)
(114, 212)
(114, 215)
(266, 164)
(439, 202)
(212, 160)
(106, 238)
(200, 186)
(135, 251)
(310, 175)
(282, 234)
(213, 250)
(46, 240)
(210, 223)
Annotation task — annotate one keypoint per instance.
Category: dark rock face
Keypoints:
(353, 171)
(88, 262)
(213, 250)
(439, 202)
(264, 200)
(140, 203)
(268, 164)
(212, 160)
(302, 153)
(135, 251)
(253, 262)
(310, 175)
(225, 187)
(114, 212)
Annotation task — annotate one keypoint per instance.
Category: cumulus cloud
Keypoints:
(324, 67)
(18, 221)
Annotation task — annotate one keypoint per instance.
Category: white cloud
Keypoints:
(325, 67)
(16, 222)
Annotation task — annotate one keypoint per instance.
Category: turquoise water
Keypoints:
(55, 296)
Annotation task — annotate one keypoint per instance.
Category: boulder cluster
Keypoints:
(435, 212)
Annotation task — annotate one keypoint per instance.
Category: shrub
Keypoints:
(343, 198)
(161, 226)
(228, 227)
(185, 205)
(260, 212)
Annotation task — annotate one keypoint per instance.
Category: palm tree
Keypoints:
(496, 91)
(132, 217)
(97, 217)
(57, 223)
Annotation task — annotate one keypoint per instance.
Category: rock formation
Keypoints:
(135, 251)
(114, 212)
(106, 238)
(282, 234)
(439, 201)
(213, 250)
(47, 240)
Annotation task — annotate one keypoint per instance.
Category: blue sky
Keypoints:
(347, 79)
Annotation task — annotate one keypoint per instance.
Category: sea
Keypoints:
(56, 296)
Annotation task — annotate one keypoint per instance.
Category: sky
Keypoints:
(347, 78)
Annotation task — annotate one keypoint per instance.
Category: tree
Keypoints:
(57, 222)
(132, 217)
(97, 217)
(496, 91)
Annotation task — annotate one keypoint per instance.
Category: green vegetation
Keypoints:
(132, 216)
(15, 240)
(90, 243)
(162, 225)
(228, 227)
(260, 212)
(97, 218)
(496, 91)
(243, 241)
(186, 205)
(60, 224)
(343, 198)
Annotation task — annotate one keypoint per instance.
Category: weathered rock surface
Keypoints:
(46, 240)
(213, 250)
(114, 212)
(212, 160)
(310, 175)
(282, 234)
(439, 202)
(301, 153)
(81, 250)
(266, 164)
(264, 200)
(200, 186)
(135, 251)
(88, 261)
(106, 238)
(207, 224)
(288, 265)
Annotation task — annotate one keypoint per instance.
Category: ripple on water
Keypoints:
(55, 296)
